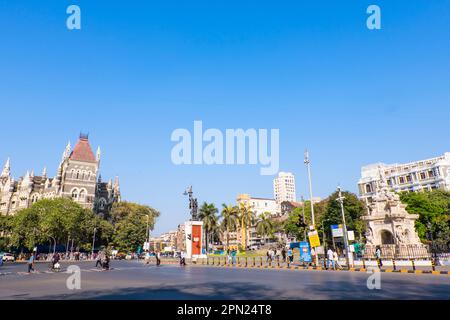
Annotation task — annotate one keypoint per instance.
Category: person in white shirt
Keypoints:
(330, 255)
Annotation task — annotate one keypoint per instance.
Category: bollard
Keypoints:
(433, 264)
(364, 263)
(207, 261)
(260, 261)
(238, 261)
(278, 261)
(246, 262)
(393, 265)
(254, 261)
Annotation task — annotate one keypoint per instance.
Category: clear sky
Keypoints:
(137, 70)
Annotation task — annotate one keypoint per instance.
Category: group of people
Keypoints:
(333, 259)
(231, 256)
(157, 256)
(102, 260)
(276, 254)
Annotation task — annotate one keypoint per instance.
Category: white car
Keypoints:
(8, 257)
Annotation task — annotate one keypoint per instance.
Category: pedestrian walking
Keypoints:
(378, 257)
(290, 255)
(183, 259)
(99, 259)
(336, 260)
(31, 262)
(330, 255)
(233, 257)
(158, 258)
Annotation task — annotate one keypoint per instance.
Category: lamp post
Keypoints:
(148, 231)
(313, 220)
(304, 221)
(93, 241)
(340, 199)
(54, 247)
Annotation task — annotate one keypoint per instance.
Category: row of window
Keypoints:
(82, 175)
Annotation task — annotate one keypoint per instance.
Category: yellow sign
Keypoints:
(314, 240)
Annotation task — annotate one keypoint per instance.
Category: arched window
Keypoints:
(34, 198)
(73, 174)
(82, 195)
(78, 174)
(102, 203)
(75, 194)
(368, 188)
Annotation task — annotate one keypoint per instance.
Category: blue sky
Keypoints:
(137, 70)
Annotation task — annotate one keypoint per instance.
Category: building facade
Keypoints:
(77, 178)
(284, 187)
(259, 206)
(415, 176)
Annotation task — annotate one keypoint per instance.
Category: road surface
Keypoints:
(133, 280)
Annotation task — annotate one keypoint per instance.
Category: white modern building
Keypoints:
(284, 188)
(415, 176)
(258, 205)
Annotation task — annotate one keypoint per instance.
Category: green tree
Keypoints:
(5, 232)
(293, 226)
(354, 209)
(246, 220)
(433, 209)
(230, 221)
(208, 214)
(130, 224)
(265, 226)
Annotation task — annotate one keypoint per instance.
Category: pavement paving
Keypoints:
(134, 280)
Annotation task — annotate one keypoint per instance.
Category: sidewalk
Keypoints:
(258, 264)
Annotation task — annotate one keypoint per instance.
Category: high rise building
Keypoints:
(284, 188)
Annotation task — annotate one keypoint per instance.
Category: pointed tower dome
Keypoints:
(7, 168)
(26, 181)
(44, 172)
(99, 154)
(66, 152)
(83, 151)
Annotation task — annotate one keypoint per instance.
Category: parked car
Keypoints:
(120, 256)
(8, 257)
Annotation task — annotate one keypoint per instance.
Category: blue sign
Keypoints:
(305, 252)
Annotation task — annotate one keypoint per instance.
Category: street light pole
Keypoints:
(341, 201)
(313, 220)
(93, 241)
(148, 230)
(304, 221)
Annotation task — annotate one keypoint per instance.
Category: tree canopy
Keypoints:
(433, 208)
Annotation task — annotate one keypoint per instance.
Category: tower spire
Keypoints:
(99, 154)
(7, 168)
(66, 153)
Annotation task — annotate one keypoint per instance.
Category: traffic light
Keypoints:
(301, 224)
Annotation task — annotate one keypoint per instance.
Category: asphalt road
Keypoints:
(133, 280)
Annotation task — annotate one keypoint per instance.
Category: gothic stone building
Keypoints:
(77, 178)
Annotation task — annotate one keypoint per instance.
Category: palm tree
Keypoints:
(246, 220)
(208, 215)
(265, 226)
(230, 221)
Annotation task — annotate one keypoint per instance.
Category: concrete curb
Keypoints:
(401, 271)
